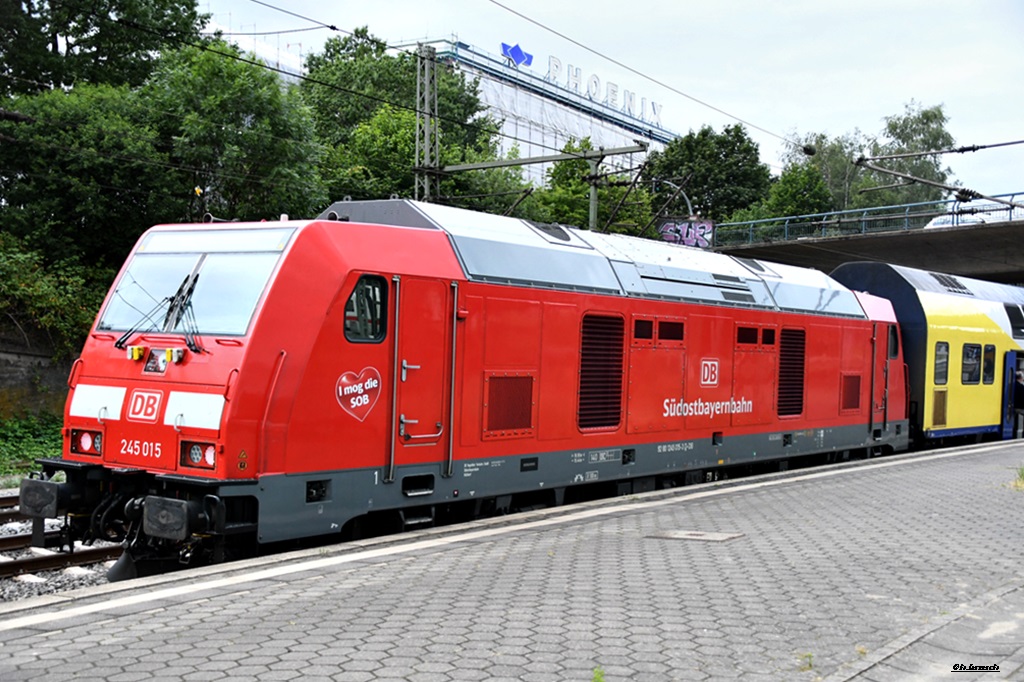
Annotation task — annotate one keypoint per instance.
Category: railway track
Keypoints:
(43, 560)
(56, 560)
(9, 509)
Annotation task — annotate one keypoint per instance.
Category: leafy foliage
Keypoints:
(799, 190)
(721, 171)
(363, 99)
(234, 132)
(834, 159)
(566, 198)
(22, 440)
(917, 129)
(58, 300)
(85, 177)
(46, 44)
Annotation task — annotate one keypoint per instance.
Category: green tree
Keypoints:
(376, 160)
(85, 176)
(355, 75)
(799, 190)
(834, 159)
(918, 129)
(722, 172)
(356, 84)
(241, 141)
(46, 44)
(48, 305)
(566, 196)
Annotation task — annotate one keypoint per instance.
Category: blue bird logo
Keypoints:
(515, 54)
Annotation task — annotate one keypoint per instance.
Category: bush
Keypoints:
(24, 439)
(59, 300)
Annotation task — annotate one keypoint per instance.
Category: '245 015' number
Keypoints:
(144, 448)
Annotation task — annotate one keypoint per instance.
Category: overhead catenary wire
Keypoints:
(315, 81)
(401, 48)
(384, 45)
(215, 34)
(582, 46)
(643, 75)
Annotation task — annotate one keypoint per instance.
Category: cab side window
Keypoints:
(366, 310)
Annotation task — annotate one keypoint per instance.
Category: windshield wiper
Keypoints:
(180, 309)
(147, 318)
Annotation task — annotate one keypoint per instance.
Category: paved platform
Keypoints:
(899, 568)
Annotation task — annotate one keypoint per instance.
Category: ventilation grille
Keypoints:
(939, 408)
(851, 392)
(735, 297)
(792, 344)
(509, 403)
(952, 284)
(601, 352)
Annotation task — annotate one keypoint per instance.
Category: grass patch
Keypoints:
(24, 439)
(1018, 482)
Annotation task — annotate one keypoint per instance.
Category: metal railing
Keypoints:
(868, 220)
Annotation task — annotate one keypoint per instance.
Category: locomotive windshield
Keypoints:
(195, 282)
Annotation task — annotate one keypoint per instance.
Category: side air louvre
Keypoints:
(509, 403)
(952, 284)
(733, 297)
(792, 345)
(600, 397)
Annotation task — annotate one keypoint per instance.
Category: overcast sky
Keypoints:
(781, 68)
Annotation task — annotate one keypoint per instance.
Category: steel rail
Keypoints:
(91, 555)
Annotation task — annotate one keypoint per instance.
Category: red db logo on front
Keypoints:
(144, 406)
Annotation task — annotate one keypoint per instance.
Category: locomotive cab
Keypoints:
(145, 436)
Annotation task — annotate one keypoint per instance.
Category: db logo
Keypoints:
(144, 406)
(709, 372)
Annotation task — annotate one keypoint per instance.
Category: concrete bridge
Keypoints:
(986, 241)
(989, 251)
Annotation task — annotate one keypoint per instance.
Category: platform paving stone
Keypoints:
(867, 572)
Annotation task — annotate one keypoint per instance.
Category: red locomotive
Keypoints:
(247, 384)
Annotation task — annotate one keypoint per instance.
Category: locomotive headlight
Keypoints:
(195, 454)
(210, 455)
(85, 441)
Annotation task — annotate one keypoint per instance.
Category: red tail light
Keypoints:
(86, 442)
(198, 455)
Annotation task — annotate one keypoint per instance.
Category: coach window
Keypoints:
(970, 367)
(988, 372)
(941, 362)
(366, 310)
